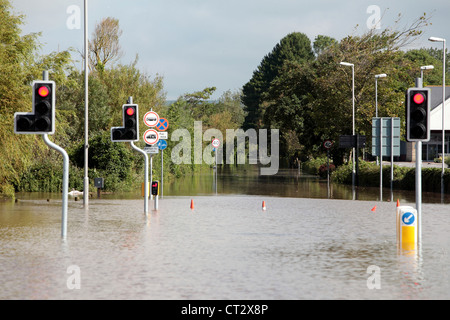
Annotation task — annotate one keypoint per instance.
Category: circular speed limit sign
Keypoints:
(328, 144)
(216, 143)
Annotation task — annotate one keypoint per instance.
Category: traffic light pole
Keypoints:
(419, 84)
(65, 191)
(146, 188)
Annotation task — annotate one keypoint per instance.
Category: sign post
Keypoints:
(386, 142)
(216, 144)
(328, 144)
(162, 145)
(151, 119)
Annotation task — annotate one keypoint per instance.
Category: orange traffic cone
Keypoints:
(374, 209)
(192, 204)
(264, 206)
(398, 203)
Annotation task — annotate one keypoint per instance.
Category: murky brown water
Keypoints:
(227, 248)
(302, 247)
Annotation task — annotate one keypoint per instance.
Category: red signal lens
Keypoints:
(43, 92)
(130, 111)
(419, 98)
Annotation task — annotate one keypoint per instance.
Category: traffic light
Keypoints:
(42, 119)
(155, 188)
(130, 130)
(418, 106)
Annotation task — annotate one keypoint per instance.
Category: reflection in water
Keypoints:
(287, 183)
(227, 248)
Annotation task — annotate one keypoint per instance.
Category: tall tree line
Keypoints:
(301, 89)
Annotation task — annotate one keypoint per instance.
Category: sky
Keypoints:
(196, 44)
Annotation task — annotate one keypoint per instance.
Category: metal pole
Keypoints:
(162, 173)
(151, 173)
(419, 84)
(146, 187)
(381, 159)
(65, 191)
(354, 130)
(443, 122)
(216, 168)
(376, 103)
(392, 159)
(86, 109)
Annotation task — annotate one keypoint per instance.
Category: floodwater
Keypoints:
(227, 248)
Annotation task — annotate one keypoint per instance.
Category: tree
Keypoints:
(104, 46)
(322, 43)
(313, 98)
(18, 63)
(293, 47)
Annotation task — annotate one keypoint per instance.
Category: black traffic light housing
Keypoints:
(418, 108)
(130, 130)
(42, 119)
(155, 188)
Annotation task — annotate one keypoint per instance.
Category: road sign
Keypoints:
(151, 137)
(408, 218)
(151, 119)
(162, 144)
(328, 144)
(348, 142)
(162, 125)
(151, 150)
(387, 136)
(163, 135)
(216, 143)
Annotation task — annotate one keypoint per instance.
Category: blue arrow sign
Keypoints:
(162, 144)
(409, 218)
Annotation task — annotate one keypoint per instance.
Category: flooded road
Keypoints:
(227, 248)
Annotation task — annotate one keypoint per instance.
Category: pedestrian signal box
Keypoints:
(155, 188)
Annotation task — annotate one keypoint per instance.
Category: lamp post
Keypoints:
(435, 39)
(379, 159)
(86, 112)
(378, 76)
(353, 118)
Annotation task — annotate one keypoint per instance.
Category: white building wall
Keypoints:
(436, 117)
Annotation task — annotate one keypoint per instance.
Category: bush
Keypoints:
(313, 166)
(404, 177)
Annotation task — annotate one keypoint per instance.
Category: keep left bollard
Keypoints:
(407, 228)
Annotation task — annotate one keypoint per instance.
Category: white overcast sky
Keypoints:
(194, 44)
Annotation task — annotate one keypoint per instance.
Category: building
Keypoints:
(433, 149)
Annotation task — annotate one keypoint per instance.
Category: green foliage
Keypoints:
(113, 161)
(295, 47)
(310, 97)
(404, 177)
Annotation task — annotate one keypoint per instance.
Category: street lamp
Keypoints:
(425, 68)
(435, 39)
(353, 117)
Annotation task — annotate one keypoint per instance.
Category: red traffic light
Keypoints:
(419, 98)
(130, 111)
(43, 91)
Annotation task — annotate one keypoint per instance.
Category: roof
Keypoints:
(436, 96)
